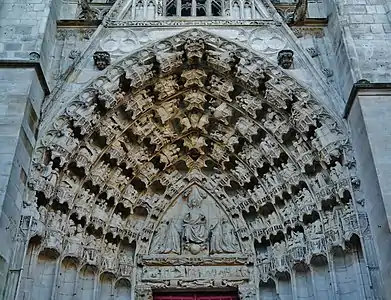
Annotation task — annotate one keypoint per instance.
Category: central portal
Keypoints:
(197, 296)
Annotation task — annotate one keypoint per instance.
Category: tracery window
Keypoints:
(193, 8)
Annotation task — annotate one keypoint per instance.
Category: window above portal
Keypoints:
(229, 9)
(193, 8)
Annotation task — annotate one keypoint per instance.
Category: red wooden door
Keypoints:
(195, 297)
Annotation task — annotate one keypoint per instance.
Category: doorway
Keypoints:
(197, 296)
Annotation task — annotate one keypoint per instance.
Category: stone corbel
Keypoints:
(101, 59)
(285, 58)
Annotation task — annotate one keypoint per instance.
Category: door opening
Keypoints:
(197, 296)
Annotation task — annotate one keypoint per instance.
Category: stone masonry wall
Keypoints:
(25, 27)
(360, 33)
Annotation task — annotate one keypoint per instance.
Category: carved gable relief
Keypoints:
(198, 164)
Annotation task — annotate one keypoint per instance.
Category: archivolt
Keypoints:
(194, 109)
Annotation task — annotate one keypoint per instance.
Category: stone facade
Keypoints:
(173, 146)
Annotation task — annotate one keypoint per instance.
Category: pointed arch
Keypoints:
(196, 108)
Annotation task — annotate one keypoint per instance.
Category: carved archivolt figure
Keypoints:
(223, 239)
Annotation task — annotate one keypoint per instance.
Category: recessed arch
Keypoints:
(195, 109)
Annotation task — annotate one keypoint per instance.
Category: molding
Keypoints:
(188, 23)
(20, 64)
(362, 86)
(185, 22)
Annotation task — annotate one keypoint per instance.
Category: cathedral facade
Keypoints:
(195, 149)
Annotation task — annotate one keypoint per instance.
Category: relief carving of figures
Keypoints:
(143, 126)
(91, 245)
(139, 103)
(247, 292)
(328, 142)
(166, 87)
(339, 175)
(317, 239)
(249, 103)
(109, 130)
(279, 259)
(139, 74)
(169, 153)
(166, 110)
(86, 155)
(250, 74)
(226, 135)
(221, 87)
(125, 262)
(50, 177)
(303, 115)
(168, 238)
(296, 246)
(259, 195)
(63, 143)
(109, 258)
(84, 115)
(246, 127)
(350, 222)
(54, 234)
(252, 156)
(73, 245)
(223, 238)
(222, 112)
(289, 212)
(270, 149)
(303, 154)
(195, 232)
(242, 173)
(222, 60)
(169, 61)
(305, 202)
(66, 188)
(276, 125)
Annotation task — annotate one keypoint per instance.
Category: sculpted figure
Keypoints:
(223, 239)
(222, 112)
(50, 174)
(166, 87)
(222, 60)
(194, 222)
(169, 61)
(221, 87)
(297, 239)
(166, 110)
(109, 257)
(167, 239)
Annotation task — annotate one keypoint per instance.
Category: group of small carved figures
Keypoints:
(221, 114)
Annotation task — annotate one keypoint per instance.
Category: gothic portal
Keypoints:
(190, 163)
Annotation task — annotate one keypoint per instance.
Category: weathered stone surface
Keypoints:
(191, 160)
